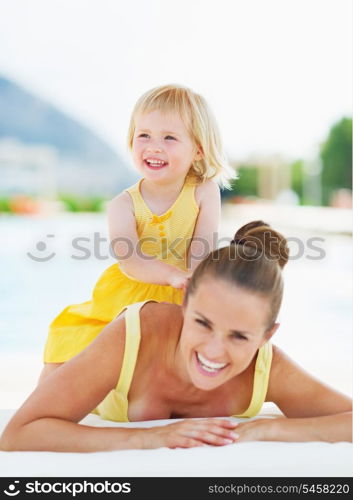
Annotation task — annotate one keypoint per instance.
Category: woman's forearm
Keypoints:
(330, 428)
(53, 434)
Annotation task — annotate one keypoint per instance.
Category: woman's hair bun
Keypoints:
(260, 236)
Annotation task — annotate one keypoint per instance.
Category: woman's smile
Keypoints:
(207, 367)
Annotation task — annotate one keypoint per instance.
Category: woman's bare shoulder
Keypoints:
(281, 364)
(156, 317)
(279, 357)
(160, 312)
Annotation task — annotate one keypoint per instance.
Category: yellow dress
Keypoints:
(115, 405)
(166, 237)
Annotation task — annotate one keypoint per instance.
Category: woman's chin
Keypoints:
(206, 383)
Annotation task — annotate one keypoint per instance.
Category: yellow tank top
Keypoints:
(166, 237)
(115, 405)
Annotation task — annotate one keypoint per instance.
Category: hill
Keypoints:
(32, 121)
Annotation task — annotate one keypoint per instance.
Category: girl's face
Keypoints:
(162, 149)
(224, 326)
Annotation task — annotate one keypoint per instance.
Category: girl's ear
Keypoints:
(198, 154)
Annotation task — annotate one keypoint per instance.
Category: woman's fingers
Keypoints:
(219, 426)
(220, 435)
(186, 442)
(211, 431)
(198, 432)
(190, 433)
(226, 433)
(207, 437)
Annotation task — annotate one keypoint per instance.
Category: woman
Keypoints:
(210, 357)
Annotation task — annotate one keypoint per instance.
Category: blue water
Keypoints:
(32, 292)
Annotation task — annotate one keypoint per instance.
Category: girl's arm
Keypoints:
(127, 249)
(48, 419)
(205, 237)
(316, 411)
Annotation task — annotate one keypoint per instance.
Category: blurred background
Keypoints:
(278, 76)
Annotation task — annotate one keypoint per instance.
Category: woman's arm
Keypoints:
(316, 411)
(330, 428)
(205, 237)
(48, 420)
(127, 249)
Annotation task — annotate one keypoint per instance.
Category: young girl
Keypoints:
(161, 227)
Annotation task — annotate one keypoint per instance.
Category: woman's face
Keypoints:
(224, 326)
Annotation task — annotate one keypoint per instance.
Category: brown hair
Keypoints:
(253, 261)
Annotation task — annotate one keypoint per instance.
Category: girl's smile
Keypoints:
(155, 163)
(162, 148)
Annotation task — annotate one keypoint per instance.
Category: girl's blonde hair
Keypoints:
(200, 123)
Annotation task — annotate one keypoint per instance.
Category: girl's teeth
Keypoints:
(155, 162)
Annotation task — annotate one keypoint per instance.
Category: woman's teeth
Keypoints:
(209, 366)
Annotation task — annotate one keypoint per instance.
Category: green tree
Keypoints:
(336, 156)
(298, 178)
(245, 185)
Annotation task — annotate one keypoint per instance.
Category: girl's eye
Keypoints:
(143, 135)
(170, 137)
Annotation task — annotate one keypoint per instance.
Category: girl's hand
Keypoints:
(179, 280)
(190, 433)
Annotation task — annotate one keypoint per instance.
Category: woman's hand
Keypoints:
(190, 433)
(257, 430)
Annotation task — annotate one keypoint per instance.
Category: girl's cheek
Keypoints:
(139, 142)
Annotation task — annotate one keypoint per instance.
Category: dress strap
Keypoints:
(134, 189)
(134, 192)
(132, 344)
(261, 377)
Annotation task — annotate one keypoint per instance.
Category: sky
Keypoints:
(276, 73)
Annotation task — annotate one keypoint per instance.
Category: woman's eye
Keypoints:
(203, 323)
(239, 336)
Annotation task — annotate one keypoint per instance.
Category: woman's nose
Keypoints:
(214, 350)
